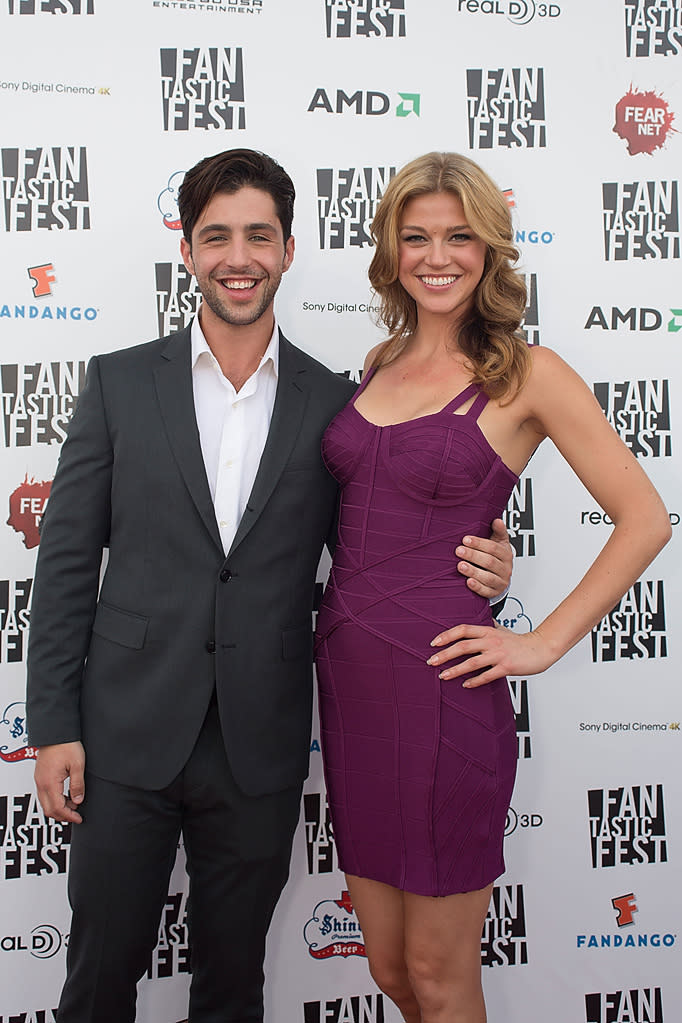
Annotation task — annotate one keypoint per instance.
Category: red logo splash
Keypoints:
(644, 120)
(26, 508)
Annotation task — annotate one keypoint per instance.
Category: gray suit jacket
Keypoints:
(131, 670)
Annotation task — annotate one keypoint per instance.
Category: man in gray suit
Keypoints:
(187, 675)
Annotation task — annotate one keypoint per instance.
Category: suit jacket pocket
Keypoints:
(297, 643)
(121, 627)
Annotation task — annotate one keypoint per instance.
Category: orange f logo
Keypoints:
(624, 906)
(43, 278)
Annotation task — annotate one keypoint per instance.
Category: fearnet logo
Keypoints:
(171, 955)
(519, 518)
(38, 401)
(531, 318)
(347, 1009)
(627, 826)
(346, 203)
(640, 411)
(177, 297)
(27, 506)
(319, 836)
(31, 844)
(518, 690)
(45, 189)
(504, 940)
(346, 18)
(203, 88)
(641, 220)
(636, 1005)
(15, 598)
(635, 628)
(644, 120)
(51, 7)
(653, 27)
(506, 108)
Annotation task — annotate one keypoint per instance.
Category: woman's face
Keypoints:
(441, 260)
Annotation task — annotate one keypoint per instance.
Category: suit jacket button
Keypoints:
(210, 646)
(225, 575)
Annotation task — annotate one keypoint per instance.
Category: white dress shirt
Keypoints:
(233, 427)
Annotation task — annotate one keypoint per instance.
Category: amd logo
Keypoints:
(367, 102)
(635, 319)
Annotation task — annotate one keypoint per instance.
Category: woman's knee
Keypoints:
(390, 977)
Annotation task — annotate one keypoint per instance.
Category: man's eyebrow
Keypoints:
(225, 229)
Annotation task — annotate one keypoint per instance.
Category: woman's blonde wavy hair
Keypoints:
(490, 338)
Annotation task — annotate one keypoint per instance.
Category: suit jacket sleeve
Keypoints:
(75, 530)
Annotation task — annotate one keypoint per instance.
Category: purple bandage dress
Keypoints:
(419, 771)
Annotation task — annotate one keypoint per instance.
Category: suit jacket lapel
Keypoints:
(173, 379)
(287, 416)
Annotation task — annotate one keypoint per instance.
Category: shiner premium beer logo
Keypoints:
(346, 1009)
(177, 297)
(504, 940)
(653, 28)
(641, 220)
(372, 18)
(334, 930)
(203, 88)
(636, 1005)
(640, 412)
(635, 628)
(506, 108)
(14, 747)
(51, 7)
(45, 189)
(346, 202)
(30, 843)
(627, 825)
(38, 401)
(15, 600)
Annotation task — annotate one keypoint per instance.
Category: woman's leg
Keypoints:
(380, 910)
(443, 954)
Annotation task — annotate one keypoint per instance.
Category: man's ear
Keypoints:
(186, 253)
(288, 253)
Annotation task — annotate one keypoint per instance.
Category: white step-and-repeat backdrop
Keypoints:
(574, 108)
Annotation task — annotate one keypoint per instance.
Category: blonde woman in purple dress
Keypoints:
(417, 724)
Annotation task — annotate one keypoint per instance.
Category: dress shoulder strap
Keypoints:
(366, 377)
(460, 399)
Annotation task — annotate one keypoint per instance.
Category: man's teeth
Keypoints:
(240, 285)
(439, 282)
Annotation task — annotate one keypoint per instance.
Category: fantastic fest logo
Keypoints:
(27, 506)
(346, 203)
(346, 1009)
(653, 28)
(171, 955)
(635, 1005)
(518, 689)
(203, 88)
(627, 825)
(506, 108)
(51, 7)
(177, 297)
(31, 844)
(369, 18)
(504, 941)
(14, 745)
(639, 410)
(519, 518)
(38, 400)
(531, 317)
(45, 189)
(641, 220)
(319, 835)
(644, 120)
(15, 598)
(31, 1016)
(635, 627)
(334, 930)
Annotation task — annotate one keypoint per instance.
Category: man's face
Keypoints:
(238, 255)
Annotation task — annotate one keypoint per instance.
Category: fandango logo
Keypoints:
(521, 237)
(59, 312)
(626, 940)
